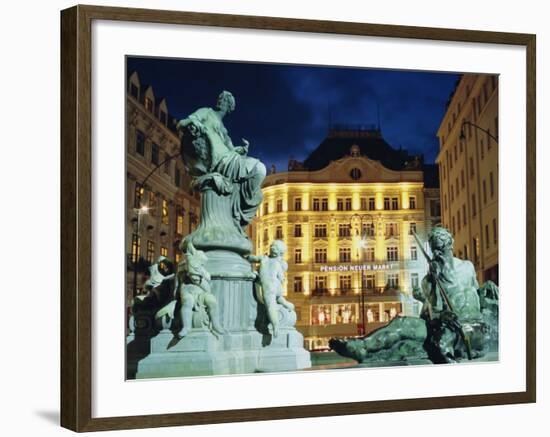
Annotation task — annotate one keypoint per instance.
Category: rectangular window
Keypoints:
(491, 185)
(392, 280)
(320, 231)
(412, 228)
(298, 230)
(453, 228)
(394, 203)
(279, 205)
(414, 253)
(475, 244)
(344, 254)
(134, 90)
(487, 243)
(179, 221)
(457, 187)
(464, 216)
(279, 232)
(163, 251)
(348, 204)
(364, 204)
(340, 204)
(320, 255)
(386, 203)
(458, 221)
(138, 195)
(462, 179)
(320, 283)
(369, 254)
(372, 203)
(140, 142)
(414, 281)
(391, 253)
(136, 248)
(152, 203)
(495, 231)
(474, 205)
(155, 154)
(412, 202)
(297, 204)
(148, 104)
(391, 230)
(324, 204)
(344, 230)
(316, 204)
(368, 230)
(369, 282)
(150, 256)
(484, 192)
(298, 288)
(435, 208)
(165, 212)
(298, 256)
(345, 283)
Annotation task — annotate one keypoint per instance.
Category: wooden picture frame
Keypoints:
(76, 222)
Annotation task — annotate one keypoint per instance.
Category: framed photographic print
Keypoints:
(339, 217)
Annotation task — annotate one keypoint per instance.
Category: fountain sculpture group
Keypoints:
(215, 314)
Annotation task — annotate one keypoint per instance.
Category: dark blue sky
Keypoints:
(284, 110)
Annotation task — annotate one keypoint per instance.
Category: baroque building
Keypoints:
(347, 215)
(468, 171)
(161, 208)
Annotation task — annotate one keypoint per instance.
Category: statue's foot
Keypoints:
(183, 332)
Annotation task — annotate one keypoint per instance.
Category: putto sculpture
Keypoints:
(453, 323)
(269, 283)
(198, 306)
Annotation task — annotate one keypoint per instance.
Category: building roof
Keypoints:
(370, 142)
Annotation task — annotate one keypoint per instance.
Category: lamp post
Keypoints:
(138, 213)
(363, 245)
(469, 123)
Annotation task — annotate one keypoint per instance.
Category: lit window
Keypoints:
(391, 253)
(164, 251)
(345, 254)
(136, 248)
(369, 254)
(298, 288)
(165, 219)
(138, 195)
(179, 221)
(148, 104)
(345, 283)
(150, 257)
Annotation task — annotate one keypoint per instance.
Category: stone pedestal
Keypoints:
(247, 347)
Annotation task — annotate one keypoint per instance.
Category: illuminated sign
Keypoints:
(358, 267)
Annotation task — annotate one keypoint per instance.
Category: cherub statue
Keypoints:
(195, 294)
(269, 282)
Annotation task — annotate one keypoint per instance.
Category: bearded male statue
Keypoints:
(453, 325)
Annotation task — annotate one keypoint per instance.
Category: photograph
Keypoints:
(302, 218)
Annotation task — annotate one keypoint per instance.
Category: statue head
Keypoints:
(226, 102)
(194, 265)
(277, 248)
(440, 240)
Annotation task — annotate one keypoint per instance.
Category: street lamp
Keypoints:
(469, 123)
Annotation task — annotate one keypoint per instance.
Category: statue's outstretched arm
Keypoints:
(253, 258)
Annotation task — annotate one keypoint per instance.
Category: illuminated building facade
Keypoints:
(164, 210)
(468, 171)
(346, 215)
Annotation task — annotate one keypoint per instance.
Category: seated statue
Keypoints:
(209, 153)
(198, 306)
(269, 282)
(451, 325)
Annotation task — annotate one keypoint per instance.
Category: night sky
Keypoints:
(284, 110)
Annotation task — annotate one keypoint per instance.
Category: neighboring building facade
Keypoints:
(468, 171)
(346, 215)
(163, 211)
